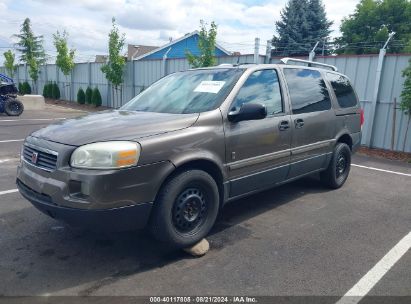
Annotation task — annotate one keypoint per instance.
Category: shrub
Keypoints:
(81, 97)
(20, 88)
(96, 97)
(25, 88)
(49, 90)
(46, 90)
(55, 91)
(89, 94)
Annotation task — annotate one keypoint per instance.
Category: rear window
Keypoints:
(343, 90)
(308, 91)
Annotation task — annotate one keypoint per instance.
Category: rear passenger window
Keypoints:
(261, 87)
(308, 91)
(343, 90)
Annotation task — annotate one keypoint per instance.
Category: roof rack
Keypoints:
(309, 63)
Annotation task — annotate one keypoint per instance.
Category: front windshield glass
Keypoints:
(186, 92)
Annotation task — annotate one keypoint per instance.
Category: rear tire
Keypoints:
(186, 209)
(339, 168)
(13, 107)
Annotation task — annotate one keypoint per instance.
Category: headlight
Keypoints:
(106, 155)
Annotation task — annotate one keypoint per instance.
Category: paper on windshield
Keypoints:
(209, 87)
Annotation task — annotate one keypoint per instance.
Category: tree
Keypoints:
(65, 57)
(206, 45)
(96, 97)
(405, 104)
(367, 29)
(89, 94)
(319, 25)
(55, 91)
(9, 63)
(81, 97)
(302, 24)
(31, 48)
(114, 68)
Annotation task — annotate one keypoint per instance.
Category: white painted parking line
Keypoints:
(10, 140)
(8, 191)
(381, 170)
(371, 278)
(31, 119)
(4, 160)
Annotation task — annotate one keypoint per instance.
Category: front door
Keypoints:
(258, 151)
(312, 120)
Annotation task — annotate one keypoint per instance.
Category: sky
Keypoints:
(150, 22)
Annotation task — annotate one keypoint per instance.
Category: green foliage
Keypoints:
(89, 93)
(206, 45)
(20, 87)
(96, 97)
(367, 29)
(81, 97)
(47, 91)
(114, 68)
(405, 104)
(65, 57)
(303, 23)
(55, 91)
(31, 49)
(25, 88)
(9, 62)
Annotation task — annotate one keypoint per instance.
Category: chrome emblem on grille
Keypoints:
(34, 157)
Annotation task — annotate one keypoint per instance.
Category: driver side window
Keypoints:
(261, 87)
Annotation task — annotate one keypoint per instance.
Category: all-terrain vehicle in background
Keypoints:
(8, 97)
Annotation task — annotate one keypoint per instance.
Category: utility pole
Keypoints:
(371, 115)
(268, 52)
(312, 53)
(256, 50)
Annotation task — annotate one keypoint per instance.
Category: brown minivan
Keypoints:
(194, 140)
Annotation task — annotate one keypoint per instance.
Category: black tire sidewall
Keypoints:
(161, 223)
(340, 148)
(10, 112)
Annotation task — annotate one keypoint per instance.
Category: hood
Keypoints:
(114, 125)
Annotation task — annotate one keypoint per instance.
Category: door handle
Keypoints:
(299, 123)
(284, 125)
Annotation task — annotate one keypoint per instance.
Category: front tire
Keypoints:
(13, 107)
(339, 168)
(186, 209)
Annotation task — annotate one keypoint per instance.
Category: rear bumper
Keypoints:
(115, 219)
(356, 141)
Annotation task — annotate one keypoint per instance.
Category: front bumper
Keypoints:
(96, 199)
(115, 219)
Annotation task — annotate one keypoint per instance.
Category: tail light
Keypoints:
(362, 117)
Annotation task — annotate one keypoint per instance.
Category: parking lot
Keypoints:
(295, 240)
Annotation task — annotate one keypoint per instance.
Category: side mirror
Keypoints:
(248, 111)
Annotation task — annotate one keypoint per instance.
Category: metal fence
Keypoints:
(362, 72)
(361, 69)
(137, 76)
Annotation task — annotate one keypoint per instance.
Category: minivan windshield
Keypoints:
(186, 92)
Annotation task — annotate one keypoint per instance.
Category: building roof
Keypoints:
(176, 41)
(101, 58)
(134, 51)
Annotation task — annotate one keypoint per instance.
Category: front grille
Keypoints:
(44, 160)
